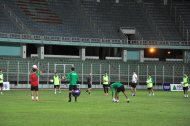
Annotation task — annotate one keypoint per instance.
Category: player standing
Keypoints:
(105, 83)
(1, 81)
(116, 88)
(149, 82)
(34, 80)
(89, 82)
(134, 84)
(73, 78)
(185, 85)
(57, 82)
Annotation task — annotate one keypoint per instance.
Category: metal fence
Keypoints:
(17, 73)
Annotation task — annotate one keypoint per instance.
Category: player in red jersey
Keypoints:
(34, 75)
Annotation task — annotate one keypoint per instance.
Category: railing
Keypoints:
(17, 72)
(92, 40)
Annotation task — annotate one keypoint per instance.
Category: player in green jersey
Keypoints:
(116, 88)
(73, 78)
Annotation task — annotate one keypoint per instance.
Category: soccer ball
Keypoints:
(76, 92)
(34, 66)
(51, 80)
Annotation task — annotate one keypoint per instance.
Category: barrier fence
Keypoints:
(17, 73)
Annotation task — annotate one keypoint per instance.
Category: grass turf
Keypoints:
(163, 109)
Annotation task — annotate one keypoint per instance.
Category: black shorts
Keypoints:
(72, 87)
(56, 86)
(105, 85)
(185, 88)
(149, 88)
(133, 85)
(89, 85)
(1, 84)
(34, 88)
(121, 88)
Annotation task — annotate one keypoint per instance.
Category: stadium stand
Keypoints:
(159, 15)
(6, 24)
(179, 11)
(91, 19)
(72, 19)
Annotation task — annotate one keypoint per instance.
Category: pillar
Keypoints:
(23, 51)
(40, 52)
(124, 55)
(141, 56)
(186, 56)
(82, 52)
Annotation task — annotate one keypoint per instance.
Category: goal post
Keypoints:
(62, 68)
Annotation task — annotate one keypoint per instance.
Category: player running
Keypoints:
(116, 88)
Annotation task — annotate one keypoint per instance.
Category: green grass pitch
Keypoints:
(163, 109)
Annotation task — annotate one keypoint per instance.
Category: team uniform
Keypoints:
(56, 81)
(134, 81)
(73, 78)
(34, 80)
(150, 85)
(185, 85)
(116, 88)
(134, 84)
(89, 82)
(105, 83)
(1, 82)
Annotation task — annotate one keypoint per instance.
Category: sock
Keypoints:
(104, 90)
(75, 98)
(36, 97)
(107, 90)
(32, 97)
(69, 96)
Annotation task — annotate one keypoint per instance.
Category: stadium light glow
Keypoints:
(152, 50)
(169, 52)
